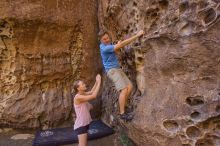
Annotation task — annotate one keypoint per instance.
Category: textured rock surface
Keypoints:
(177, 70)
(44, 46)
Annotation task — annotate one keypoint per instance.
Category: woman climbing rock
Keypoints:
(83, 107)
(113, 70)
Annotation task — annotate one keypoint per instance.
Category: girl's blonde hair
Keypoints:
(76, 85)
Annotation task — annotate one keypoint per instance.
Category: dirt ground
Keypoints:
(7, 135)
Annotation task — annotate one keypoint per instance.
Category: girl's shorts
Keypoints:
(82, 130)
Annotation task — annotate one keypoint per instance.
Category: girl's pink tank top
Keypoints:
(83, 116)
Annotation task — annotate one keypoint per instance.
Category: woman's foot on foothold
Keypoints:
(126, 117)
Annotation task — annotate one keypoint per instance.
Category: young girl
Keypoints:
(82, 108)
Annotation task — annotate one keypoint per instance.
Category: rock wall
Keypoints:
(44, 46)
(175, 66)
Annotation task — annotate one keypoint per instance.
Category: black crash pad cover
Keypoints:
(62, 136)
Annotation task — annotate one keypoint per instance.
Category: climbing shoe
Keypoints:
(126, 117)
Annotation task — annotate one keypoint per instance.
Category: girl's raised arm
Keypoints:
(93, 95)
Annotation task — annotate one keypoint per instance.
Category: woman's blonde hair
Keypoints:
(76, 85)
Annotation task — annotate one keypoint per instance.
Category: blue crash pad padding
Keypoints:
(62, 136)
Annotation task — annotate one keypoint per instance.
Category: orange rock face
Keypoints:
(44, 46)
(176, 67)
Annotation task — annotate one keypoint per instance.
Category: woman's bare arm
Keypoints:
(92, 90)
(84, 98)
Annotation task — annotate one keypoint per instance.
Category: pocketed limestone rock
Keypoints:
(175, 66)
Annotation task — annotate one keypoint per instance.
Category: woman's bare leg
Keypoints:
(82, 139)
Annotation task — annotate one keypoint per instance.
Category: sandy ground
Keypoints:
(5, 138)
(7, 135)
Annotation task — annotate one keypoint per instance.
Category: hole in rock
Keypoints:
(171, 125)
(137, 17)
(139, 51)
(218, 7)
(217, 127)
(134, 4)
(153, 15)
(195, 115)
(193, 132)
(140, 59)
(128, 27)
(152, 12)
(196, 100)
(126, 31)
(187, 29)
(216, 1)
(210, 16)
(217, 109)
(183, 6)
(3, 23)
(189, 122)
(182, 136)
(202, 4)
(132, 13)
(186, 144)
(136, 44)
(153, 3)
(204, 142)
(163, 4)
